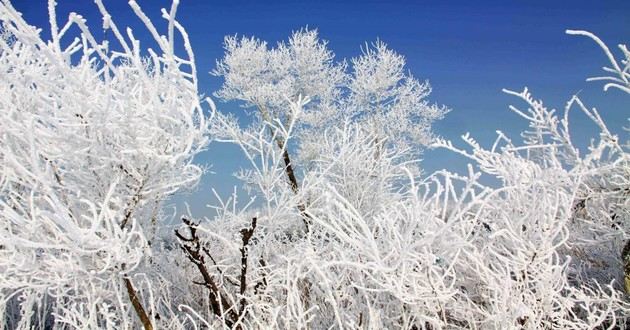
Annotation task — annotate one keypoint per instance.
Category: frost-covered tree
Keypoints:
(374, 91)
(375, 95)
(93, 137)
(384, 249)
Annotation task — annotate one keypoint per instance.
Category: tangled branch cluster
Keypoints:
(340, 232)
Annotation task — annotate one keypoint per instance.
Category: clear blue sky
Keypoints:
(469, 50)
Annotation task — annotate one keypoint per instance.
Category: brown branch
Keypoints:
(625, 258)
(246, 234)
(192, 247)
(134, 202)
(137, 306)
(293, 181)
(288, 169)
(133, 295)
(262, 284)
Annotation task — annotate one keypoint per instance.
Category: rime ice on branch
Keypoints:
(94, 136)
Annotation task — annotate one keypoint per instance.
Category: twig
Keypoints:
(246, 234)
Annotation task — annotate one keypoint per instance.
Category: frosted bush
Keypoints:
(93, 139)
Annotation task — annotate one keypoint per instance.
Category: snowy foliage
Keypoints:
(377, 92)
(93, 139)
(381, 248)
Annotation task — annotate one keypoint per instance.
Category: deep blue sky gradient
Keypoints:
(469, 51)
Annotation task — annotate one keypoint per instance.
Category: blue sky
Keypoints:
(469, 51)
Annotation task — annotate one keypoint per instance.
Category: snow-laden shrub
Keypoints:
(92, 139)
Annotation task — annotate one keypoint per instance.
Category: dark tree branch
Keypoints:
(625, 258)
(192, 247)
(137, 305)
(262, 284)
(134, 202)
(246, 235)
(288, 168)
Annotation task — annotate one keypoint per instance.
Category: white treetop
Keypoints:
(376, 92)
(391, 100)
